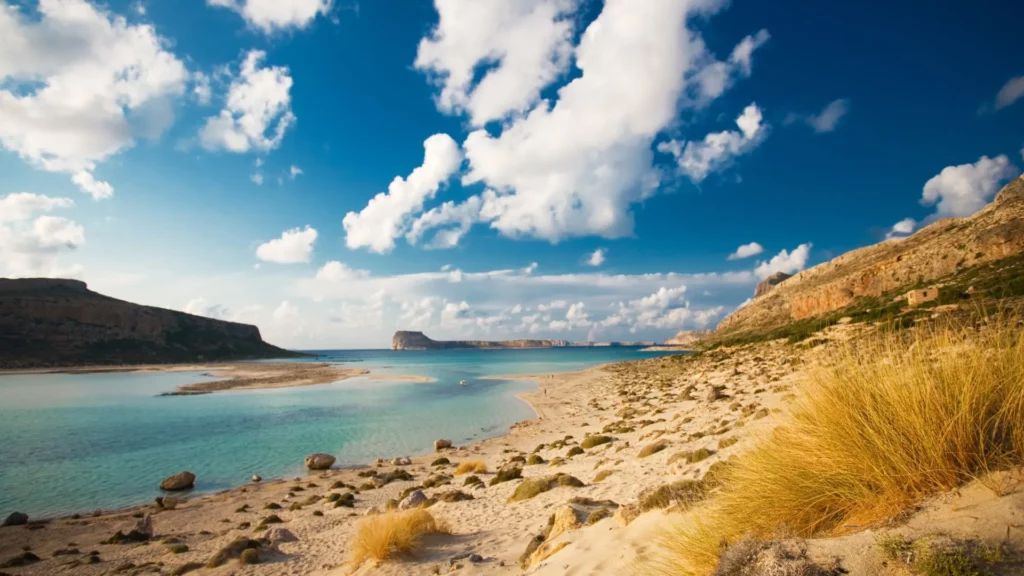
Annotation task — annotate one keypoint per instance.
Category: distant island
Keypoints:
(55, 323)
(409, 340)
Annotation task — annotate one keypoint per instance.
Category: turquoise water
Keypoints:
(80, 442)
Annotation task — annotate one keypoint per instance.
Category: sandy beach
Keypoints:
(658, 414)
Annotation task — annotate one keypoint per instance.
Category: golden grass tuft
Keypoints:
(393, 533)
(471, 466)
(885, 423)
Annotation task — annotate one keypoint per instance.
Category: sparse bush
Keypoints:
(472, 480)
(534, 460)
(726, 442)
(441, 462)
(595, 440)
(474, 466)
(574, 451)
(652, 449)
(603, 474)
(684, 492)
(533, 486)
(598, 515)
(385, 535)
(506, 474)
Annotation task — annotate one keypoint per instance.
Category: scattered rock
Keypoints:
(413, 500)
(279, 536)
(625, 514)
(442, 444)
(401, 461)
(181, 481)
(249, 556)
(186, 568)
(257, 478)
(232, 551)
(319, 461)
(166, 502)
(566, 518)
(23, 559)
(16, 519)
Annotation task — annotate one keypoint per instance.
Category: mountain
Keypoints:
(406, 340)
(980, 256)
(53, 323)
(687, 337)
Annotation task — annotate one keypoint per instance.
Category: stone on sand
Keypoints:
(413, 500)
(16, 519)
(181, 481)
(319, 461)
(279, 536)
(442, 444)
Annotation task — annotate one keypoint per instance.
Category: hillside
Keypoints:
(407, 340)
(975, 257)
(53, 323)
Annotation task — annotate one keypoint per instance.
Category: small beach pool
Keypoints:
(79, 442)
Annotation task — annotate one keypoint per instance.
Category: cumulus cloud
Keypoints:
(1012, 91)
(275, 15)
(335, 271)
(784, 261)
(828, 119)
(529, 43)
(294, 246)
(31, 244)
(746, 251)
(286, 312)
(597, 257)
(901, 229)
(388, 215)
(203, 307)
(572, 165)
(257, 112)
(78, 84)
(294, 172)
(962, 190)
(698, 159)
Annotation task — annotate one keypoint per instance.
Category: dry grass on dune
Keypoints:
(471, 466)
(395, 532)
(884, 424)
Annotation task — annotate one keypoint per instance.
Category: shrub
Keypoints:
(533, 486)
(506, 474)
(534, 459)
(574, 451)
(595, 440)
(472, 480)
(726, 442)
(474, 466)
(395, 532)
(652, 449)
(884, 423)
(441, 462)
(603, 474)
(685, 492)
(598, 515)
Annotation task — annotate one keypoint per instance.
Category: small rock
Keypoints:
(712, 394)
(23, 559)
(442, 444)
(401, 461)
(257, 478)
(249, 556)
(319, 461)
(566, 518)
(475, 558)
(166, 502)
(16, 519)
(181, 481)
(413, 500)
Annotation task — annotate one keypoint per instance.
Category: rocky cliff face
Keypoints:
(945, 247)
(406, 340)
(687, 337)
(50, 322)
(766, 285)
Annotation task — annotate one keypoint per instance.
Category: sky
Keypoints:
(334, 170)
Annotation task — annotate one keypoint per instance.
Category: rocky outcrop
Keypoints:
(319, 461)
(181, 481)
(687, 337)
(55, 323)
(944, 248)
(766, 285)
(406, 340)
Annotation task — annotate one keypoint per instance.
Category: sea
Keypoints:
(75, 443)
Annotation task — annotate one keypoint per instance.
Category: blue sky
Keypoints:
(223, 156)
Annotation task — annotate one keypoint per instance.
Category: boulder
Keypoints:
(442, 444)
(16, 519)
(166, 502)
(712, 394)
(625, 514)
(401, 461)
(279, 536)
(144, 526)
(566, 518)
(181, 481)
(257, 478)
(319, 461)
(413, 500)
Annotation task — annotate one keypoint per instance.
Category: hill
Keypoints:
(56, 323)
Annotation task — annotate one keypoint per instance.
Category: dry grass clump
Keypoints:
(474, 466)
(396, 532)
(726, 442)
(652, 449)
(684, 492)
(887, 422)
(603, 474)
(937, 556)
(595, 440)
(506, 474)
(533, 486)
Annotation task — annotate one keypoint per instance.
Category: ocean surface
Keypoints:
(80, 442)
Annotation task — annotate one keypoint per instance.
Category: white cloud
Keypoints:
(746, 251)
(963, 190)
(828, 119)
(257, 112)
(335, 271)
(203, 307)
(458, 218)
(1012, 91)
(294, 246)
(555, 305)
(597, 257)
(294, 172)
(78, 84)
(573, 165)
(286, 312)
(529, 43)
(784, 261)
(275, 15)
(31, 245)
(257, 178)
(201, 89)
(901, 229)
(698, 159)
(388, 215)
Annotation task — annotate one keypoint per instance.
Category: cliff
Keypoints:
(945, 250)
(687, 337)
(53, 323)
(405, 340)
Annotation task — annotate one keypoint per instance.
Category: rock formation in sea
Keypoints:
(57, 323)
